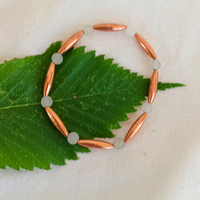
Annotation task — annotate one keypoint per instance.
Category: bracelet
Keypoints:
(57, 58)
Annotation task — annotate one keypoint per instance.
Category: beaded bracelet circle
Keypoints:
(57, 58)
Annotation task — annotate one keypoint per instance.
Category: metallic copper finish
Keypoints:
(109, 27)
(49, 79)
(70, 42)
(135, 127)
(153, 86)
(145, 45)
(57, 121)
(95, 144)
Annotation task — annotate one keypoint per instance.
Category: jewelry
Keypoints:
(57, 58)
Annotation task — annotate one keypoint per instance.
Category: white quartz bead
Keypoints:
(146, 107)
(57, 58)
(155, 64)
(129, 32)
(88, 29)
(73, 138)
(118, 142)
(46, 101)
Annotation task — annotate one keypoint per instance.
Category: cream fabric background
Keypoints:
(162, 162)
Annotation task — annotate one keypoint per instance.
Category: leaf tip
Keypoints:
(164, 86)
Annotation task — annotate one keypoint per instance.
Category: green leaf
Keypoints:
(91, 95)
(164, 86)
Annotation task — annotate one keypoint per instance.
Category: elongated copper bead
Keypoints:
(109, 27)
(135, 127)
(153, 86)
(49, 79)
(57, 121)
(145, 46)
(70, 42)
(95, 144)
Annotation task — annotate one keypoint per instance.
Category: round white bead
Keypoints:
(88, 29)
(155, 64)
(147, 107)
(129, 32)
(73, 138)
(118, 142)
(57, 58)
(46, 101)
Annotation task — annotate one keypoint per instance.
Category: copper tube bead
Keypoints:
(49, 79)
(109, 27)
(145, 46)
(57, 121)
(71, 42)
(135, 127)
(153, 86)
(95, 144)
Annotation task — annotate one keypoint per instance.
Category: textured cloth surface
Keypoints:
(162, 161)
